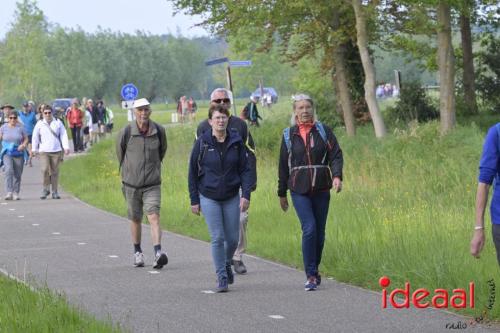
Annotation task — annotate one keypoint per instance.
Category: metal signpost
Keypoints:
(242, 63)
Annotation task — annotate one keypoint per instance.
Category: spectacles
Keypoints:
(47, 112)
(221, 100)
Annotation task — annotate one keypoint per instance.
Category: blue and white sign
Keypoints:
(241, 63)
(129, 92)
(216, 61)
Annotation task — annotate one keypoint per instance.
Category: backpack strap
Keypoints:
(321, 131)
(203, 150)
(162, 142)
(124, 143)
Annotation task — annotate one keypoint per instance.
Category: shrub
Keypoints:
(413, 104)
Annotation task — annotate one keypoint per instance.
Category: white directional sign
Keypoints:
(241, 63)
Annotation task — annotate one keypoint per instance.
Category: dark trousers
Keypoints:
(77, 139)
(312, 210)
(495, 230)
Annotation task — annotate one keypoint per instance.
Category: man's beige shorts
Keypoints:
(141, 200)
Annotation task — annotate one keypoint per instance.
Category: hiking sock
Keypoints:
(137, 248)
(157, 248)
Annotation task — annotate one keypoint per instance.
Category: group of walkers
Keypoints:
(41, 131)
(186, 109)
(222, 175)
(23, 137)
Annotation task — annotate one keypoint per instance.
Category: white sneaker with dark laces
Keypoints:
(139, 259)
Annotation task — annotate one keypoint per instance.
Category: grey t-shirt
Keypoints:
(13, 134)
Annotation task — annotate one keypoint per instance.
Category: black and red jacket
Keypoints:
(309, 167)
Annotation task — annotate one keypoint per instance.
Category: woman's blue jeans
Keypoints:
(312, 210)
(223, 221)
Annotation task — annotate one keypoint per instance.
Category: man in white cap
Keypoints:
(140, 148)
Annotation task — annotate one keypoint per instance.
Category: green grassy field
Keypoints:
(406, 210)
(23, 310)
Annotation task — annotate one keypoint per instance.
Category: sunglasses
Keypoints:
(221, 100)
(13, 117)
(47, 112)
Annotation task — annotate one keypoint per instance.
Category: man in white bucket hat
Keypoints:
(140, 148)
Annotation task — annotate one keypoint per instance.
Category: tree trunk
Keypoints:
(469, 79)
(341, 82)
(446, 63)
(362, 42)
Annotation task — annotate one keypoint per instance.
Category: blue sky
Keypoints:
(154, 16)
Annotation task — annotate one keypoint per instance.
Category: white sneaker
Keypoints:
(15, 196)
(161, 260)
(139, 259)
(8, 196)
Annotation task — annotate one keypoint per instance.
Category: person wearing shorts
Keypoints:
(140, 148)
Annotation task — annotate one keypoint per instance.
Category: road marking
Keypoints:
(154, 272)
(3, 203)
(276, 317)
(81, 243)
(208, 292)
(35, 224)
(56, 233)
(21, 216)
(113, 256)
(12, 209)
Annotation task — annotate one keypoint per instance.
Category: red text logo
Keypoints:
(422, 298)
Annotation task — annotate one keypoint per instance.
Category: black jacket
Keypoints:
(313, 166)
(239, 125)
(218, 176)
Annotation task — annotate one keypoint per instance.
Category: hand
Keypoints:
(195, 209)
(244, 204)
(477, 243)
(284, 203)
(337, 184)
(21, 147)
(66, 151)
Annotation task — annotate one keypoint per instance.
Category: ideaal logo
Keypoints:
(422, 298)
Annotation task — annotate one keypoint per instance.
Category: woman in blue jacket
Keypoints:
(218, 168)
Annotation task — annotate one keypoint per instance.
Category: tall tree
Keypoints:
(370, 83)
(23, 62)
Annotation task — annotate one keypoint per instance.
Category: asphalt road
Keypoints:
(86, 253)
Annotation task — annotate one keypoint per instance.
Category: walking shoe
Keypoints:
(310, 284)
(44, 195)
(161, 260)
(15, 196)
(239, 267)
(139, 259)
(55, 195)
(8, 196)
(222, 285)
(230, 275)
(318, 279)
(30, 164)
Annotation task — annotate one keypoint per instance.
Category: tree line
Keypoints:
(341, 33)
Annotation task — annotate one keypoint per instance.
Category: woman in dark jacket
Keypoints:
(310, 165)
(218, 167)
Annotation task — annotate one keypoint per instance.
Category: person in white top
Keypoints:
(50, 142)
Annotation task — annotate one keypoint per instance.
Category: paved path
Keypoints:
(86, 253)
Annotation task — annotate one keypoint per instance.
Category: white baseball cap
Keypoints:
(141, 102)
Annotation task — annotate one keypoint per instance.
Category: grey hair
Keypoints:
(216, 90)
(302, 97)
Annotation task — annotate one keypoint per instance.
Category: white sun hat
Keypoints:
(141, 102)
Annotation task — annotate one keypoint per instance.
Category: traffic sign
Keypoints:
(241, 63)
(216, 61)
(129, 92)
